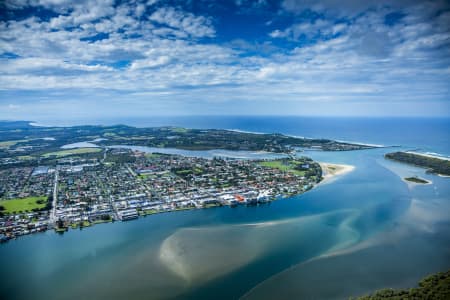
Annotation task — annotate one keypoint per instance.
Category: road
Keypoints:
(55, 198)
(149, 191)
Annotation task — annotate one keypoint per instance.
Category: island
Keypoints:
(418, 180)
(433, 164)
(65, 178)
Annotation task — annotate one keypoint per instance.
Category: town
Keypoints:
(121, 184)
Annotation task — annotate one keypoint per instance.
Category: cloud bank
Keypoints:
(197, 57)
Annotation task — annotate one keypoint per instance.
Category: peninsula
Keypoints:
(74, 177)
(21, 143)
(433, 164)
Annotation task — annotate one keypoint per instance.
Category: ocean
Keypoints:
(363, 231)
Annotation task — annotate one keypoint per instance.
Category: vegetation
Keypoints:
(153, 155)
(72, 152)
(283, 165)
(433, 164)
(184, 173)
(7, 144)
(179, 129)
(416, 180)
(61, 226)
(149, 212)
(24, 204)
(119, 158)
(302, 167)
(24, 145)
(103, 221)
(436, 287)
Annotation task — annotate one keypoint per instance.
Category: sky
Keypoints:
(100, 59)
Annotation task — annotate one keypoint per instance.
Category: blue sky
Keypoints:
(86, 59)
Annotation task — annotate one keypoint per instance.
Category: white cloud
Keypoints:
(343, 60)
(140, 10)
(150, 63)
(195, 26)
(317, 28)
(34, 64)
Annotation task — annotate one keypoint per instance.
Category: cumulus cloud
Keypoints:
(195, 26)
(150, 63)
(40, 65)
(345, 7)
(148, 48)
(316, 28)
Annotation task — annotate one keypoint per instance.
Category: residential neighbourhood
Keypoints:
(125, 184)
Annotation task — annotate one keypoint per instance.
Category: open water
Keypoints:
(364, 231)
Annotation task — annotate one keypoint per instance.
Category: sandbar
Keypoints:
(332, 171)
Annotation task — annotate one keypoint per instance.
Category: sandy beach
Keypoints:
(332, 171)
(428, 155)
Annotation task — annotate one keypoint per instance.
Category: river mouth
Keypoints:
(344, 234)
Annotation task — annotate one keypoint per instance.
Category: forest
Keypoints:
(433, 164)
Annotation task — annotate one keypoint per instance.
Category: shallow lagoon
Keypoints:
(209, 154)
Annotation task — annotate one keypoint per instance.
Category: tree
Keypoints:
(60, 223)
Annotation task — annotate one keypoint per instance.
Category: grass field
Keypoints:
(179, 129)
(72, 152)
(103, 221)
(7, 144)
(279, 164)
(25, 157)
(152, 155)
(22, 204)
(77, 224)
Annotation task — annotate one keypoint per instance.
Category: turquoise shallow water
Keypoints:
(365, 230)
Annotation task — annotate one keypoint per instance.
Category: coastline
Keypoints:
(429, 168)
(428, 155)
(331, 171)
(311, 137)
(363, 144)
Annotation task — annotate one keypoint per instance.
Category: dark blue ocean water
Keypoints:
(348, 237)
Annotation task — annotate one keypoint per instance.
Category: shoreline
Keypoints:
(364, 144)
(428, 155)
(331, 171)
(306, 137)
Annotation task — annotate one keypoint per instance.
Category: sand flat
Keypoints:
(332, 171)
